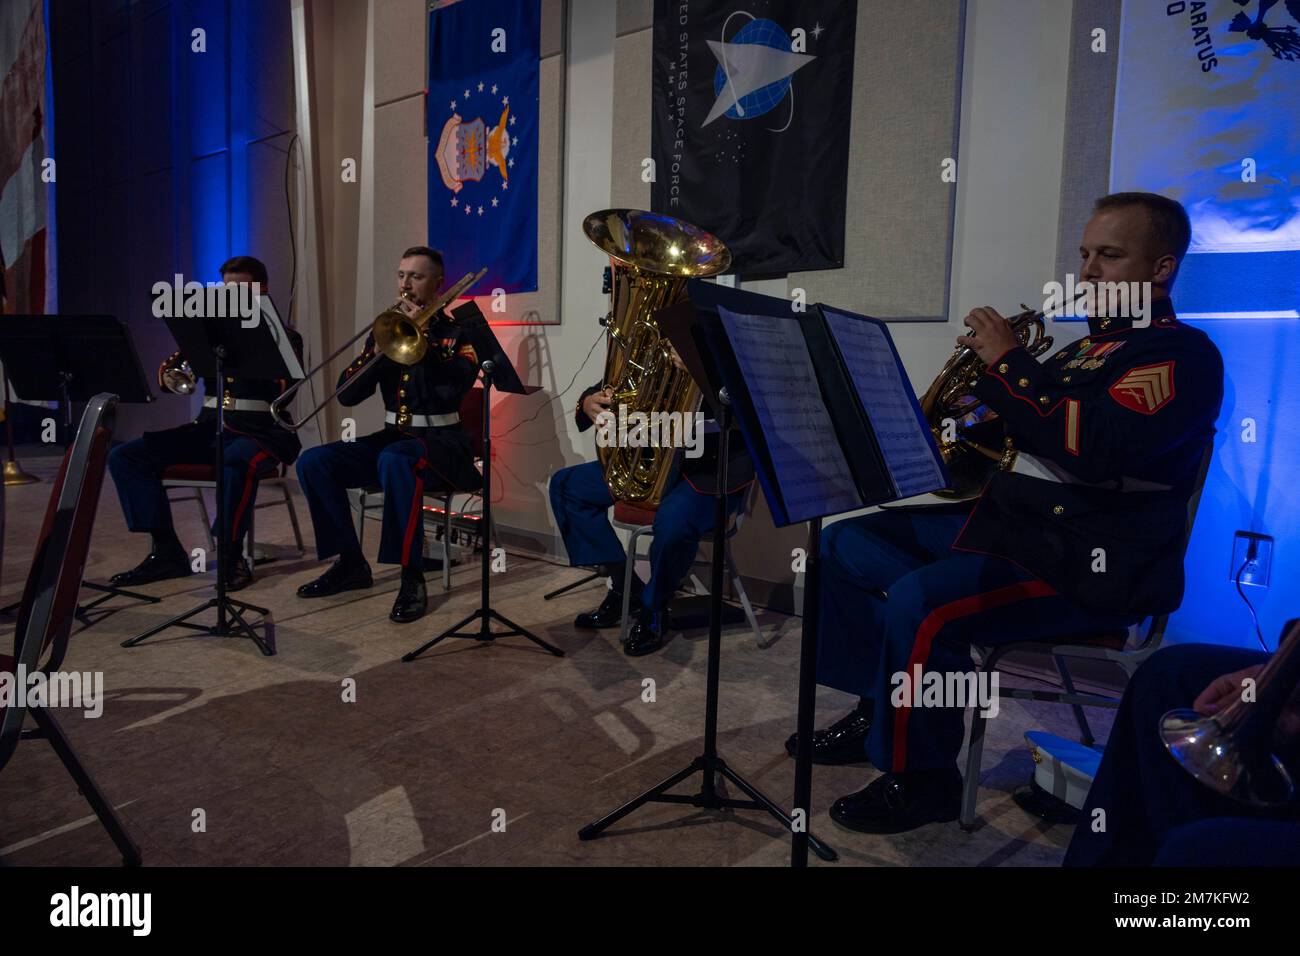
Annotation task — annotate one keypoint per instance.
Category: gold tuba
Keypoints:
(1232, 751)
(971, 458)
(651, 257)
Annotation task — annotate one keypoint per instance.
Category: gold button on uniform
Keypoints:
(1003, 368)
(1105, 323)
(1043, 399)
(1058, 510)
(1024, 383)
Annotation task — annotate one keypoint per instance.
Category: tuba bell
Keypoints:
(1231, 752)
(963, 426)
(651, 257)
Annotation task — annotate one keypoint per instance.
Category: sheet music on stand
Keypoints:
(823, 402)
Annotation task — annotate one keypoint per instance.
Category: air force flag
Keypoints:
(482, 122)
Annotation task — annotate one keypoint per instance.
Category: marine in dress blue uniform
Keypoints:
(255, 448)
(581, 499)
(422, 445)
(1110, 433)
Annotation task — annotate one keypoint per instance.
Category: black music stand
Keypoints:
(499, 372)
(67, 358)
(214, 348)
(756, 353)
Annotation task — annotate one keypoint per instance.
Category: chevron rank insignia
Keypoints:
(1145, 389)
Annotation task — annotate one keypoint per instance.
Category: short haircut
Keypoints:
(1171, 230)
(433, 254)
(247, 265)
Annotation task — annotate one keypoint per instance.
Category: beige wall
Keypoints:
(595, 79)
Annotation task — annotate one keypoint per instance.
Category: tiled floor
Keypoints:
(218, 755)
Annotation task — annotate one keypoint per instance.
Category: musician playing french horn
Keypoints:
(255, 447)
(422, 444)
(1084, 535)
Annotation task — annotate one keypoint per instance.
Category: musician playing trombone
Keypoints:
(255, 448)
(421, 445)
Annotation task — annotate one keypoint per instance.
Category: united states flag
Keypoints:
(23, 253)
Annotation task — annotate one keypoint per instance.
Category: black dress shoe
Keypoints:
(897, 802)
(643, 639)
(609, 614)
(157, 566)
(340, 577)
(238, 574)
(843, 742)
(412, 601)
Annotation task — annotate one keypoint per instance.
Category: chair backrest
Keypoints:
(49, 600)
(1156, 632)
(471, 418)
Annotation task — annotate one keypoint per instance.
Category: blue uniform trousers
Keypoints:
(400, 464)
(1155, 812)
(895, 596)
(580, 500)
(137, 467)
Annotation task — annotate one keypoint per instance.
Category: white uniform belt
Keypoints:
(425, 421)
(240, 405)
(1035, 467)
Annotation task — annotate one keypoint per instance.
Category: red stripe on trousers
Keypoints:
(416, 504)
(248, 493)
(934, 622)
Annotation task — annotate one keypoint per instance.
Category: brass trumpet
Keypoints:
(175, 375)
(398, 336)
(1231, 752)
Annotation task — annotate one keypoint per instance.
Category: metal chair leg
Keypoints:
(361, 519)
(293, 517)
(629, 569)
(1085, 732)
(207, 520)
(739, 586)
(446, 543)
(974, 756)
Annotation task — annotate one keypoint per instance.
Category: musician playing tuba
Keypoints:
(421, 445)
(1084, 536)
(255, 448)
(581, 499)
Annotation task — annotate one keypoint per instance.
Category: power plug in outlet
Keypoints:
(1252, 555)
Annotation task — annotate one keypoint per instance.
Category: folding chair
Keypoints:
(200, 478)
(371, 498)
(1116, 648)
(640, 523)
(49, 605)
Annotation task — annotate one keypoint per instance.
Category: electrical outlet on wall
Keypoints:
(1252, 555)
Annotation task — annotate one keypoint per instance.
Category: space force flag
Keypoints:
(751, 126)
(482, 122)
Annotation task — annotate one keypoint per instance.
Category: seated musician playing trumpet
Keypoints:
(1156, 813)
(1084, 535)
(421, 441)
(254, 449)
